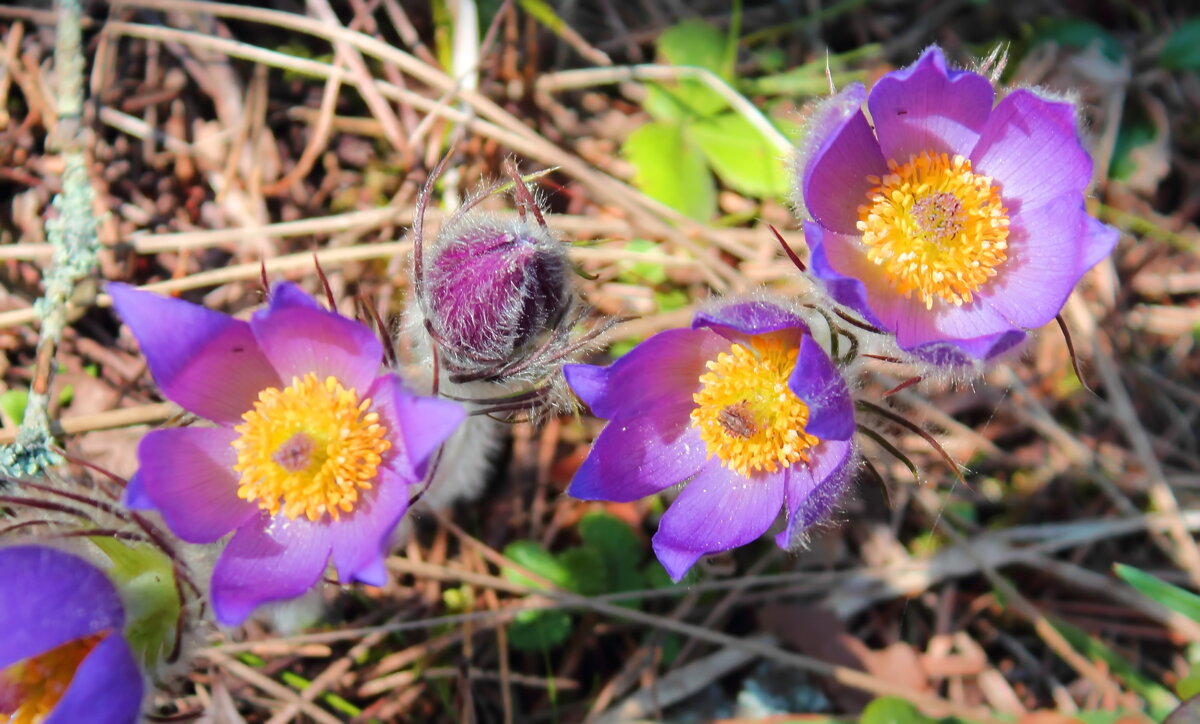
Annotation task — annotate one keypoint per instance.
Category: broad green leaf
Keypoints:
(619, 550)
(1136, 130)
(671, 169)
(538, 630)
(741, 156)
(14, 402)
(892, 710)
(695, 43)
(1188, 686)
(145, 578)
(588, 574)
(1182, 51)
(1169, 595)
(531, 555)
(611, 537)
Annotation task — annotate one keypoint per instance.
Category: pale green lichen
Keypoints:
(71, 230)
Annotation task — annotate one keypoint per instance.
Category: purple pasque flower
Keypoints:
(954, 224)
(745, 407)
(63, 655)
(312, 454)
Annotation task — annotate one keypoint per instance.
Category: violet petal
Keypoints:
(813, 488)
(1043, 264)
(927, 107)
(107, 688)
(638, 456)
(661, 370)
(35, 580)
(421, 423)
(1099, 240)
(298, 338)
(717, 510)
(359, 539)
(835, 179)
(187, 473)
(820, 384)
(743, 319)
(1031, 148)
(269, 559)
(844, 289)
(206, 362)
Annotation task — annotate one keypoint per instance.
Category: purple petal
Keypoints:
(926, 107)
(662, 370)
(812, 489)
(820, 384)
(1098, 242)
(135, 497)
(206, 362)
(1030, 146)
(845, 290)
(1044, 248)
(965, 352)
(741, 319)
(716, 511)
(187, 473)
(907, 318)
(360, 538)
(421, 423)
(298, 338)
(638, 456)
(269, 559)
(835, 179)
(106, 689)
(47, 598)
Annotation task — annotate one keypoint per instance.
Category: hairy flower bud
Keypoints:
(493, 287)
(496, 303)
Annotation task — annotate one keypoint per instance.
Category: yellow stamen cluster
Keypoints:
(30, 689)
(746, 413)
(936, 227)
(309, 449)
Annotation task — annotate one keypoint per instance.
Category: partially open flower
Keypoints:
(745, 407)
(63, 656)
(952, 223)
(314, 452)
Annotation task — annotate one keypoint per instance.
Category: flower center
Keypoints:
(745, 411)
(30, 689)
(308, 449)
(936, 227)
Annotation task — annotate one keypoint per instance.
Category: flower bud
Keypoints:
(493, 287)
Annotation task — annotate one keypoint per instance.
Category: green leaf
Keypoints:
(14, 402)
(1156, 589)
(643, 272)
(538, 630)
(612, 538)
(1182, 51)
(620, 552)
(145, 578)
(1080, 34)
(585, 566)
(696, 43)
(742, 157)
(1137, 130)
(892, 710)
(531, 555)
(1188, 686)
(671, 169)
